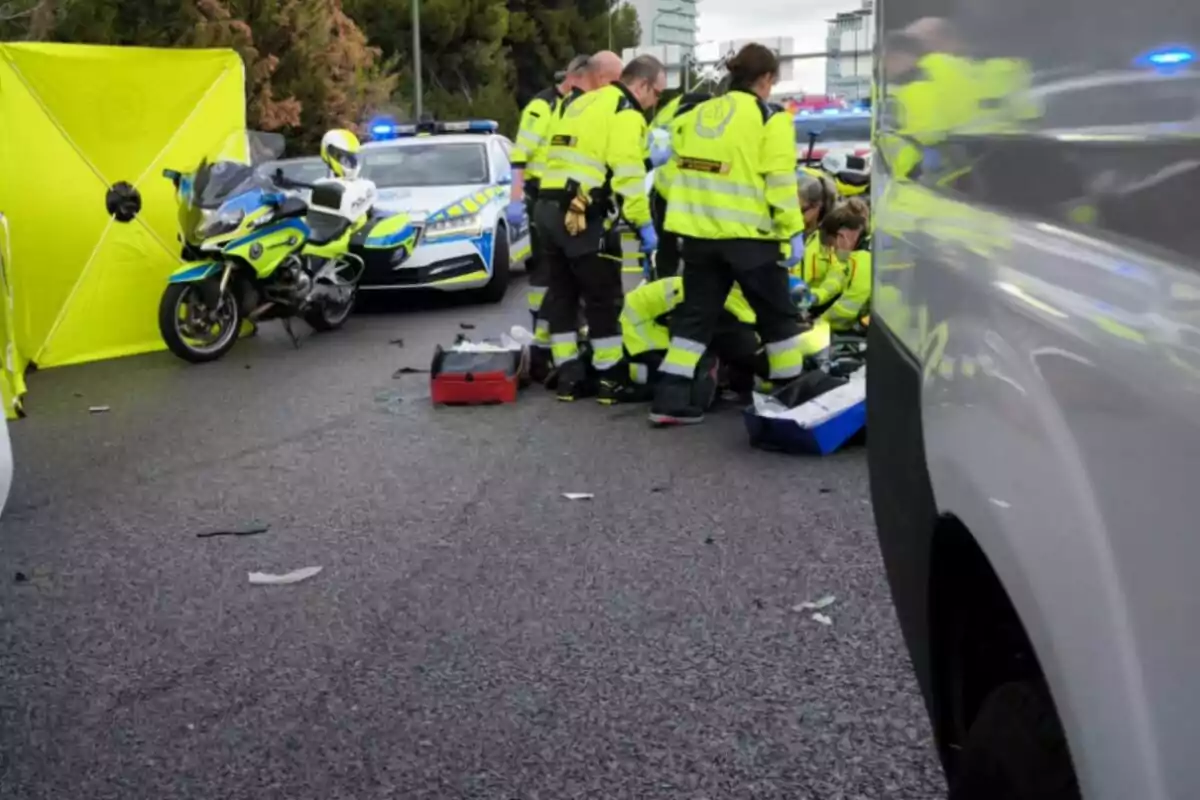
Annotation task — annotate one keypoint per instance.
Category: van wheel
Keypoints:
(1015, 750)
(497, 287)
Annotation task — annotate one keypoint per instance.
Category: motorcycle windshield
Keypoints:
(220, 176)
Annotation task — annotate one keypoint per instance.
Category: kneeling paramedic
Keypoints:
(845, 229)
(646, 337)
(734, 201)
(824, 270)
(597, 150)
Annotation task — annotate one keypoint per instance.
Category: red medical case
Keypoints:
(466, 378)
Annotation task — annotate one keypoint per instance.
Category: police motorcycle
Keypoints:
(851, 174)
(256, 250)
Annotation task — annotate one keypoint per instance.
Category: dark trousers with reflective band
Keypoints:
(666, 260)
(711, 267)
(535, 295)
(577, 271)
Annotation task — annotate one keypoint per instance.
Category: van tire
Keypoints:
(497, 287)
(1015, 750)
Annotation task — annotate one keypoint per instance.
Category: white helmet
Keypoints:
(847, 167)
(340, 152)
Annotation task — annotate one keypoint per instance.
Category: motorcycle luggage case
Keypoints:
(466, 378)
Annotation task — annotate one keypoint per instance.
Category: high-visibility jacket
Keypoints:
(736, 176)
(681, 110)
(599, 141)
(667, 113)
(855, 300)
(642, 328)
(533, 133)
(821, 270)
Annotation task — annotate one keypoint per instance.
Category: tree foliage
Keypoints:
(316, 64)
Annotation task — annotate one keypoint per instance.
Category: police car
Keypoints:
(832, 130)
(454, 178)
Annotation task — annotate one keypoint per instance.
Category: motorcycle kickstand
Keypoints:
(287, 326)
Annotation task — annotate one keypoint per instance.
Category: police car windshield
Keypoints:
(833, 129)
(426, 164)
(301, 170)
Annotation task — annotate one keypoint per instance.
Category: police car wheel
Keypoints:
(496, 288)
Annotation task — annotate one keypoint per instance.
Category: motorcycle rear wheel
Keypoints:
(180, 323)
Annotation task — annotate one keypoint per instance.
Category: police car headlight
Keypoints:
(466, 225)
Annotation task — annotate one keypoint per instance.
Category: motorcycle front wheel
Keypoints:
(192, 330)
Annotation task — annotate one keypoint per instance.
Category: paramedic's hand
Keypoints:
(660, 151)
(648, 238)
(515, 213)
(797, 246)
(648, 266)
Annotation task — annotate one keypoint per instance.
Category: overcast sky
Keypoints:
(803, 20)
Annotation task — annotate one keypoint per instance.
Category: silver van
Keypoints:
(1034, 389)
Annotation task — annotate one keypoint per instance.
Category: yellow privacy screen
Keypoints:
(74, 120)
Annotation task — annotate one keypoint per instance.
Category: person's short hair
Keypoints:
(575, 67)
(643, 68)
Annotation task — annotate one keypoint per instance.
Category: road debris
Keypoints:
(578, 495)
(821, 618)
(409, 371)
(21, 577)
(295, 576)
(815, 605)
(466, 326)
(99, 409)
(250, 530)
(397, 342)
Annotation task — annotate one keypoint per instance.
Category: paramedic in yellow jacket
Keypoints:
(583, 74)
(595, 165)
(735, 203)
(823, 271)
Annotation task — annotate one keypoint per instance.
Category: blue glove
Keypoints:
(649, 239)
(797, 251)
(660, 151)
(515, 213)
(800, 292)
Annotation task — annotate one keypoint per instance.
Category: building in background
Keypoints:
(849, 43)
(667, 22)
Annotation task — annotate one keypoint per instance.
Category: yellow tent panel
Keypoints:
(74, 120)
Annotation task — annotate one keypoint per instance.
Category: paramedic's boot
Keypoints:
(674, 402)
(573, 382)
(612, 385)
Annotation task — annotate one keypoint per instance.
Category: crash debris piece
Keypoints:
(578, 495)
(295, 576)
(98, 409)
(815, 605)
(821, 618)
(249, 530)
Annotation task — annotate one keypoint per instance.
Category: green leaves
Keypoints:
(316, 64)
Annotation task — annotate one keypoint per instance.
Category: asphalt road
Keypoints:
(473, 634)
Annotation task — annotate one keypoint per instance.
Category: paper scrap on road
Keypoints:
(821, 618)
(295, 576)
(815, 605)
(578, 495)
(98, 409)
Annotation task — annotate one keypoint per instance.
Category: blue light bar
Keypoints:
(1168, 57)
(469, 126)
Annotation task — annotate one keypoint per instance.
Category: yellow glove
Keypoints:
(576, 217)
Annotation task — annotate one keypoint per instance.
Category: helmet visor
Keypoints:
(344, 158)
